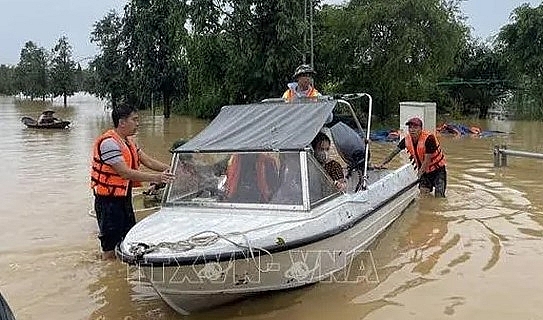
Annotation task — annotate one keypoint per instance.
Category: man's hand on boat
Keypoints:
(166, 176)
(379, 166)
(154, 188)
(341, 184)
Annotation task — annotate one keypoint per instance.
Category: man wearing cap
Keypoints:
(426, 153)
(303, 87)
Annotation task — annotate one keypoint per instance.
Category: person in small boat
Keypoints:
(289, 190)
(47, 117)
(251, 178)
(424, 149)
(303, 85)
(115, 171)
(321, 148)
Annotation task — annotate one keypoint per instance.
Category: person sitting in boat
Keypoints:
(303, 85)
(251, 178)
(47, 117)
(289, 190)
(321, 148)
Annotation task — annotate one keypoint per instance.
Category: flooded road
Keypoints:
(474, 255)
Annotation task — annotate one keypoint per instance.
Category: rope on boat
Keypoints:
(201, 239)
(190, 243)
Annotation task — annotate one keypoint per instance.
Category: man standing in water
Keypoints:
(425, 150)
(114, 173)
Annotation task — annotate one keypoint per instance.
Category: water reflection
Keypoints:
(444, 257)
(119, 295)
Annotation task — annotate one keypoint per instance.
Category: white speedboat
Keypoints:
(251, 209)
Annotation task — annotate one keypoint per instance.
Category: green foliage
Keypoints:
(31, 72)
(242, 51)
(155, 35)
(63, 70)
(478, 80)
(7, 80)
(394, 49)
(520, 45)
(196, 56)
(109, 71)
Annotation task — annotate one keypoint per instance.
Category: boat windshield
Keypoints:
(245, 179)
(224, 178)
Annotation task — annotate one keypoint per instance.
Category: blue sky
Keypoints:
(486, 17)
(45, 21)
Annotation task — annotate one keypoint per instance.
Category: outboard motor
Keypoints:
(350, 145)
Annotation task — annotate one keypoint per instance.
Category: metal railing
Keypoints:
(501, 153)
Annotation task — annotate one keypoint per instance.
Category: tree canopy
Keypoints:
(520, 44)
(194, 57)
(63, 70)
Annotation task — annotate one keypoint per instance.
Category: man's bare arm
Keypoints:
(134, 175)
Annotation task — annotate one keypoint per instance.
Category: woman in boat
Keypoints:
(321, 148)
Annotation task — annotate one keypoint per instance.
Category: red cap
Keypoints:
(414, 122)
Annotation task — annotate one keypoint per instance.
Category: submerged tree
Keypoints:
(155, 34)
(32, 75)
(207, 53)
(478, 80)
(7, 80)
(109, 70)
(520, 42)
(63, 70)
(396, 49)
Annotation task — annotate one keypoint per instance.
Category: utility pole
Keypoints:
(311, 31)
(304, 58)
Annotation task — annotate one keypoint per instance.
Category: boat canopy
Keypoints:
(262, 127)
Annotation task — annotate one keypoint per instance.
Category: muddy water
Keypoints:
(475, 255)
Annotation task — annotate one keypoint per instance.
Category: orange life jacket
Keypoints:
(290, 94)
(234, 171)
(437, 159)
(105, 181)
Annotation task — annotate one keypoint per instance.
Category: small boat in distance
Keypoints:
(45, 121)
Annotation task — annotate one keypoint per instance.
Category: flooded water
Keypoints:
(474, 255)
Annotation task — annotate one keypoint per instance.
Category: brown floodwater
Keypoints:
(475, 255)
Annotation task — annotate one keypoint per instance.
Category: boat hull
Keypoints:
(208, 283)
(31, 123)
(58, 125)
